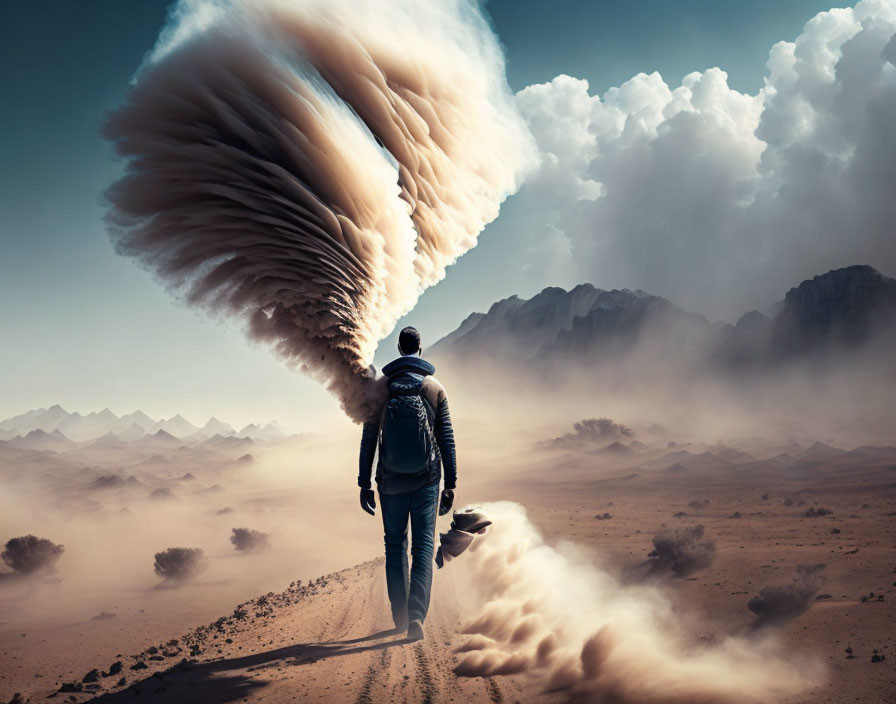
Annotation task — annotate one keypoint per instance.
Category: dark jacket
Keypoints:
(436, 402)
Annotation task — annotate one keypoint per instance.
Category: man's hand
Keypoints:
(368, 501)
(446, 502)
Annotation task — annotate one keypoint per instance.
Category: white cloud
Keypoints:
(721, 200)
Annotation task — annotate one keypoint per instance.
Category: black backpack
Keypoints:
(407, 445)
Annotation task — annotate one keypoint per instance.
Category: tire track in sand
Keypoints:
(373, 676)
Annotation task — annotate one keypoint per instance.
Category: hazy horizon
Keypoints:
(90, 330)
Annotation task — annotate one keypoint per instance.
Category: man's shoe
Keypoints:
(415, 631)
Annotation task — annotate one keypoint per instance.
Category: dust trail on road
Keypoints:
(551, 613)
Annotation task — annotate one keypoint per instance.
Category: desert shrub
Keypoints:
(248, 540)
(781, 602)
(683, 549)
(178, 564)
(589, 432)
(29, 554)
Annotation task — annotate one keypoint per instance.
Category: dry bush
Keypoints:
(589, 432)
(683, 550)
(29, 554)
(179, 564)
(781, 602)
(248, 540)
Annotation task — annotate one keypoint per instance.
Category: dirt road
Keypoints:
(327, 641)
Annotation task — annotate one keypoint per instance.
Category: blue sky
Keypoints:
(85, 328)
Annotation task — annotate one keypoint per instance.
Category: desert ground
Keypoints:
(804, 529)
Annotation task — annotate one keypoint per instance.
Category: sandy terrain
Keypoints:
(326, 639)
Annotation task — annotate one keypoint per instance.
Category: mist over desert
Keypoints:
(772, 555)
(605, 290)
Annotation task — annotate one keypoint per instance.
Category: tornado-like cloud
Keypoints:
(551, 613)
(310, 167)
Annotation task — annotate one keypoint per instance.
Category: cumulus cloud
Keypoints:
(716, 198)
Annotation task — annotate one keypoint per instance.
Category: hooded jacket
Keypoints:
(436, 402)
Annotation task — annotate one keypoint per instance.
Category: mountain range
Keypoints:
(56, 426)
(840, 310)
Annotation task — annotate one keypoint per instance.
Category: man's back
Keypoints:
(413, 409)
(436, 401)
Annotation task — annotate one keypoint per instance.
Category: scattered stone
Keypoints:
(602, 516)
(813, 512)
(121, 683)
(91, 676)
(878, 657)
(71, 687)
(834, 531)
(736, 514)
(139, 665)
(114, 669)
(17, 699)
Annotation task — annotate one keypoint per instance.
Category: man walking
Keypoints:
(413, 438)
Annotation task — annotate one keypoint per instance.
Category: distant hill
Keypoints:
(839, 310)
(56, 429)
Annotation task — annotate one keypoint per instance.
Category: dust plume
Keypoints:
(310, 167)
(551, 613)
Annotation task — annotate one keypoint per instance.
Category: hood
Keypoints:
(416, 365)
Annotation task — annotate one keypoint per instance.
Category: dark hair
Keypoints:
(409, 341)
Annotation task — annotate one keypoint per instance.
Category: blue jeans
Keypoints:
(409, 597)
